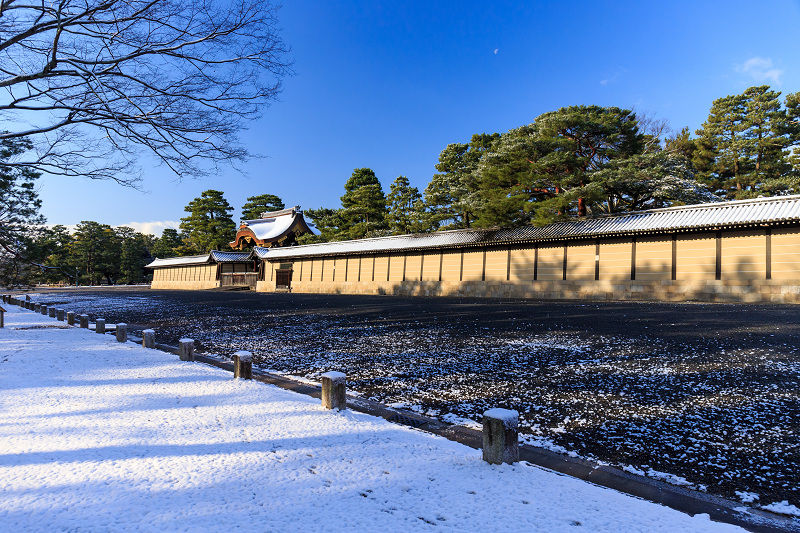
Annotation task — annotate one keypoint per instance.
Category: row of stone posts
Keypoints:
(120, 330)
(500, 437)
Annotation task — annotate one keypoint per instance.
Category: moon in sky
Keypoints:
(495, 51)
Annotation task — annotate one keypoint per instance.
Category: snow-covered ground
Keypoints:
(101, 436)
(706, 397)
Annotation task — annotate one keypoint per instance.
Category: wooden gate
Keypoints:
(283, 279)
(247, 279)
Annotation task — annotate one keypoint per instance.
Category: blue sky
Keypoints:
(387, 85)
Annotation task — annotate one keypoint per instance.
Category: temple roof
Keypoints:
(272, 227)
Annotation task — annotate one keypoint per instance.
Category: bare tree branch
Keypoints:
(94, 83)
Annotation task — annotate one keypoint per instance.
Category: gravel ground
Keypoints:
(706, 396)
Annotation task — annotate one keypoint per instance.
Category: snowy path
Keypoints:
(101, 436)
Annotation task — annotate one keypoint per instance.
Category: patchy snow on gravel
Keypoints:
(97, 435)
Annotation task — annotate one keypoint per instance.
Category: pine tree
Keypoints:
(328, 222)
(792, 130)
(134, 255)
(95, 251)
(681, 144)
(263, 203)
(363, 205)
(453, 196)
(765, 121)
(209, 225)
(406, 211)
(19, 202)
(168, 244)
(722, 136)
(546, 170)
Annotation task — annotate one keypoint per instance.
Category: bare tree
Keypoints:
(94, 83)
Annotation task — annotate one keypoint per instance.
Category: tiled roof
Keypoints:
(740, 213)
(230, 257)
(214, 256)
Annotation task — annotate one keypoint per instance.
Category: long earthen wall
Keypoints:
(754, 265)
(191, 277)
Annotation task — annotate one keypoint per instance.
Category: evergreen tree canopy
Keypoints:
(134, 254)
(19, 203)
(95, 250)
(327, 221)
(548, 169)
(793, 128)
(363, 205)
(209, 225)
(406, 210)
(452, 198)
(743, 147)
(263, 203)
(168, 244)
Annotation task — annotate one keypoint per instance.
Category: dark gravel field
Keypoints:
(706, 396)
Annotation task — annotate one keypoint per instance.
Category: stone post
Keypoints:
(44, 310)
(51, 312)
(333, 391)
(60, 314)
(71, 318)
(186, 349)
(500, 436)
(149, 338)
(37, 307)
(122, 332)
(243, 365)
(84, 321)
(100, 325)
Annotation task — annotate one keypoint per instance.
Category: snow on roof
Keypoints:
(274, 226)
(739, 213)
(215, 256)
(180, 261)
(269, 228)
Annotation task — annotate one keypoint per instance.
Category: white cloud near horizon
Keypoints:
(761, 69)
(152, 228)
(148, 228)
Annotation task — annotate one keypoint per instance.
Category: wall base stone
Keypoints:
(729, 291)
(185, 285)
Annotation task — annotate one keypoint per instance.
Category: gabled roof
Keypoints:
(273, 226)
(713, 216)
